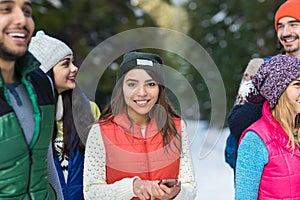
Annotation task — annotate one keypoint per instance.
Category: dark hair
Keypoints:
(162, 112)
(71, 139)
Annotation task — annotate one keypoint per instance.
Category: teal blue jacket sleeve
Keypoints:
(252, 157)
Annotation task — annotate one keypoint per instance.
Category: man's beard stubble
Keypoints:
(9, 55)
(290, 49)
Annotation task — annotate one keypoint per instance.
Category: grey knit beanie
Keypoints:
(273, 76)
(48, 50)
(142, 60)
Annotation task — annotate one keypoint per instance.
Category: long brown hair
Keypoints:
(162, 111)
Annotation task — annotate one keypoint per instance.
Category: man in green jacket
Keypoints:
(27, 111)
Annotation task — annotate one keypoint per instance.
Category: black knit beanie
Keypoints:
(153, 63)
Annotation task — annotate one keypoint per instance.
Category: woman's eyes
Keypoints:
(297, 84)
(133, 84)
(151, 84)
(66, 63)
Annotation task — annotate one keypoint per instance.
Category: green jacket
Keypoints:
(23, 167)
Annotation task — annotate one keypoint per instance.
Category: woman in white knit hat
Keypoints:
(56, 60)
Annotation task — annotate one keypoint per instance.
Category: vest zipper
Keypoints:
(37, 125)
(29, 174)
(147, 159)
(145, 149)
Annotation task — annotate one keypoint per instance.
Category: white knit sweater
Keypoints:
(94, 180)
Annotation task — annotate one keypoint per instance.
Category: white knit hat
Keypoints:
(48, 50)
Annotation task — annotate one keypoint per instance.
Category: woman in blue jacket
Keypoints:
(68, 137)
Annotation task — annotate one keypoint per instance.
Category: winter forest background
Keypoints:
(231, 31)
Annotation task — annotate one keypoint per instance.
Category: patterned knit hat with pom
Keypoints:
(48, 50)
(273, 76)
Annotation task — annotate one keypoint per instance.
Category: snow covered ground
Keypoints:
(214, 176)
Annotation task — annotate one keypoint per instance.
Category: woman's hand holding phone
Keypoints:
(163, 189)
(170, 188)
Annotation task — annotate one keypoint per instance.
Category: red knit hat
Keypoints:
(290, 8)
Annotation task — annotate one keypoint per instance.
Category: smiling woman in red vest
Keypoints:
(139, 139)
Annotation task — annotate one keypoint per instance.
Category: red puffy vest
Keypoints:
(129, 154)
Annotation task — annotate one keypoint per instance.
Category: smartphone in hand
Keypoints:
(168, 182)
